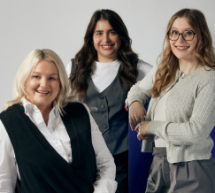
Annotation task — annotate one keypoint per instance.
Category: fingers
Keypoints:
(137, 127)
(141, 119)
(134, 121)
(140, 136)
(131, 122)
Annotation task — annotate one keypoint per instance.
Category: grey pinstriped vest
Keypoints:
(108, 110)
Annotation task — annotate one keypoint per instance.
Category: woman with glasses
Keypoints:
(101, 74)
(181, 113)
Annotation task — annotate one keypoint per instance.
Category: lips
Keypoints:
(42, 92)
(182, 48)
(107, 46)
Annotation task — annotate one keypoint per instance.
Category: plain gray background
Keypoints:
(61, 25)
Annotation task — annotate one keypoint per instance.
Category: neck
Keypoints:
(187, 67)
(105, 60)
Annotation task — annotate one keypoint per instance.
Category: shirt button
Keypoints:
(102, 106)
(105, 126)
(101, 97)
(104, 116)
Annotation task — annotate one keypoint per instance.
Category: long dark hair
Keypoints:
(87, 55)
(169, 62)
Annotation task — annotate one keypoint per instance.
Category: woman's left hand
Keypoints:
(141, 129)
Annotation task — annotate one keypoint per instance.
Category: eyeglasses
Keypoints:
(187, 35)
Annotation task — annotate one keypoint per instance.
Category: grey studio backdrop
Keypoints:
(60, 26)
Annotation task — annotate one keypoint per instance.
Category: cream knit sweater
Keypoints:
(190, 114)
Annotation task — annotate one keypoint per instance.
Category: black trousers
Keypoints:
(121, 161)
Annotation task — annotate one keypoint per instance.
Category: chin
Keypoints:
(42, 103)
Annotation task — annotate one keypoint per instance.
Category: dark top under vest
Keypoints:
(108, 110)
(42, 169)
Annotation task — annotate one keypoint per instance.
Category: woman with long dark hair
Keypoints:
(101, 74)
(181, 111)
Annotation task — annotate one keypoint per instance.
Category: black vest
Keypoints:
(108, 110)
(42, 169)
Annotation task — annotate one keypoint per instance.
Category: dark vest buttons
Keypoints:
(102, 106)
(101, 97)
(105, 126)
(104, 116)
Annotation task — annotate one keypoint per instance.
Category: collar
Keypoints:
(31, 108)
(192, 74)
(100, 65)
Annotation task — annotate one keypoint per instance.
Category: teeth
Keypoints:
(182, 48)
(106, 46)
(42, 92)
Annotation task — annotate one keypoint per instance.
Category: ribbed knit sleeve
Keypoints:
(141, 91)
(202, 120)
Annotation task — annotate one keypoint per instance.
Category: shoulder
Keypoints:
(143, 68)
(206, 79)
(207, 74)
(68, 68)
(76, 108)
(10, 111)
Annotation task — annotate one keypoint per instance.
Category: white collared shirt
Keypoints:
(55, 133)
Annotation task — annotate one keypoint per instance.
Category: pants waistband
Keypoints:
(159, 151)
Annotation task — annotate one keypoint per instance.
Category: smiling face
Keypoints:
(183, 50)
(106, 41)
(43, 86)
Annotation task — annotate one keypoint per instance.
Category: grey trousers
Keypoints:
(196, 176)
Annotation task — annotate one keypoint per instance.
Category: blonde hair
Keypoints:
(169, 62)
(26, 70)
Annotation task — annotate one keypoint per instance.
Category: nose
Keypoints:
(106, 37)
(43, 82)
(180, 38)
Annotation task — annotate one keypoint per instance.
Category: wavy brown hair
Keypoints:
(169, 63)
(87, 55)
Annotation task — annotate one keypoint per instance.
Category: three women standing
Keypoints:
(101, 74)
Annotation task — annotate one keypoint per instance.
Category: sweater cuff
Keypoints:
(133, 99)
(156, 128)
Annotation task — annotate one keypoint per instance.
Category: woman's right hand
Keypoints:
(136, 114)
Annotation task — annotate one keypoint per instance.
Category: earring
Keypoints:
(59, 90)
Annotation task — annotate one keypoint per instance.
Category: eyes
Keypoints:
(38, 77)
(174, 32)
(187, 35)
(186, 32)
(100, 33)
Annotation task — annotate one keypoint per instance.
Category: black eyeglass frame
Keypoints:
(181, 35)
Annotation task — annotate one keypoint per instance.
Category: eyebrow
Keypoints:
(103, 31)
(48, 74)
(183, 30)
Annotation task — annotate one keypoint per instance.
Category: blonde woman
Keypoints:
(47, 142)
(181, 112)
